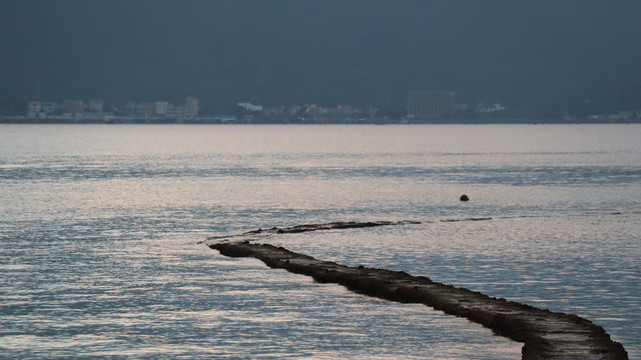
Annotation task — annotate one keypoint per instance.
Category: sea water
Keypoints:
(99, 232)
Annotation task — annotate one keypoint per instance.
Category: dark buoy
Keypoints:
(465, 198)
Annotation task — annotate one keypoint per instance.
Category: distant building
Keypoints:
(38, 109)
(73, 106)
(191, 107)
(145, 109)
(49, 108)
(490, 108)
(161, 108)
(175, 112)
(430, 104)
(34, 107)
(96, 105)
(129, 110)
(251, 107)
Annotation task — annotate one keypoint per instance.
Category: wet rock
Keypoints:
(465, 198)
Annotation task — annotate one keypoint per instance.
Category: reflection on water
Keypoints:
(161, 298)
(99, 228)
(586, 265)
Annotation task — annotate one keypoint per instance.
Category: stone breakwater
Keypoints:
(545, 334)
(263, 233)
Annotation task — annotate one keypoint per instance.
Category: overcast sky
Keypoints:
(328, 52)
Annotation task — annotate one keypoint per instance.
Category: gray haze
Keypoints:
(532, 55)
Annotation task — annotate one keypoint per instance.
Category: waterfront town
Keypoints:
(420, 107)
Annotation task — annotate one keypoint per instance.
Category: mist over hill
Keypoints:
(544, 56)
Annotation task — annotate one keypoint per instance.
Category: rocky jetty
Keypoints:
(545, 334)
(261, 233)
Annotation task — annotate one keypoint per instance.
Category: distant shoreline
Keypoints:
(206, 121)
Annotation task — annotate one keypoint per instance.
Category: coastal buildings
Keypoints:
(423, 105)
(189, 110)
(94, 110)
(41, 109)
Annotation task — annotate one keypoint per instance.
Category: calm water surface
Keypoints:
(99, 228)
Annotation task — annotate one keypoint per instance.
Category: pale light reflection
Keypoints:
(99, 229)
